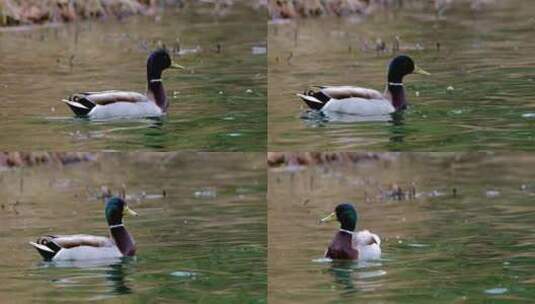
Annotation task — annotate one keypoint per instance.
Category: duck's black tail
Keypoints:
(46, 247)
(314, 100)
(79, 104)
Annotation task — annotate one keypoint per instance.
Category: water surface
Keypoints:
(205, 241)
(219, 104)
(467, 236)
(480, 96)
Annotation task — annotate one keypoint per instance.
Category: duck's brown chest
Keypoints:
(340, 248)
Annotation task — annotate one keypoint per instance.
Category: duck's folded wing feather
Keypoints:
(343, 92)
(70, 241)
(108, 97)
(366, 238)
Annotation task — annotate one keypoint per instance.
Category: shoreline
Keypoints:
(295, 9)
(23, 13)
(29, 159)
(292, 159)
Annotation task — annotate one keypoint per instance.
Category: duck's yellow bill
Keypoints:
(128, 211)
(177, 66)
(329, 218)
(419, 70)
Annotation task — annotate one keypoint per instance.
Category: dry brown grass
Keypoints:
(26, 159)
(277, 159)
(18, 12)
(15, 12)
(310, 8)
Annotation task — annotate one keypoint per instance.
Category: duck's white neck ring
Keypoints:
(115, 226)
(156, 80)
(397, 84)
(347, 231)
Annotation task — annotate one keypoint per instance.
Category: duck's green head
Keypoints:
(158, 61)
(346, 214)
(401, 66)
(116, 208)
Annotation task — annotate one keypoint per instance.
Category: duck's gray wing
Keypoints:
(75, 240)
(108, 97)
(343, 92)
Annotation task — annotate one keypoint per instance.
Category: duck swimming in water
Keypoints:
(123, 104)
(80, 247)
(348, 244)
(363, 101)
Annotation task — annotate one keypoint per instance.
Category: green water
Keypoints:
(480, 96)
(474, 246)
(219, 104)
(205, 242)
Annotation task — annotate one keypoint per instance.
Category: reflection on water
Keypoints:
(479, 96)
(454, 228)
(110, 275)
(352, 277)
(219, 103)
(189, 246)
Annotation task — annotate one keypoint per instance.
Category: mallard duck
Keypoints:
(363, 101)
(348, 244)
(81, 247)
(121, 104)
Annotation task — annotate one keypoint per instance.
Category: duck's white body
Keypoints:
(82, 253)
(359, 106)
(361, 241)
(353, 101)
(129, 110)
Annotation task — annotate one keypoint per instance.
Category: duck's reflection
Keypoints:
(316, 118)
(398, 129)
(116, 274)
(396, 122)
(74, 273)
(353, 276)
(342, 272)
